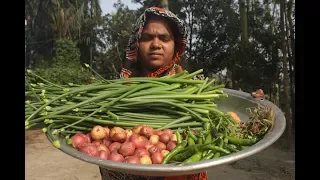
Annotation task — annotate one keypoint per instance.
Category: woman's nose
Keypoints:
(156, 44)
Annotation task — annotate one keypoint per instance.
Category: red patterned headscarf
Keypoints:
(130, 63)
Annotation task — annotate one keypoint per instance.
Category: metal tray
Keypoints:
(238, 102)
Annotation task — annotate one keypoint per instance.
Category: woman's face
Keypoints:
(156, 45)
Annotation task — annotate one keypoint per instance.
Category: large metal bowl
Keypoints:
(237, 102)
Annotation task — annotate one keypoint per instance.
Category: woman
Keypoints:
(154, 50)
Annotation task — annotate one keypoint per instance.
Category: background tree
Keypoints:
(245, 44)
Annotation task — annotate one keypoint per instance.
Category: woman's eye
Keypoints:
(145, 37)
(165, 38)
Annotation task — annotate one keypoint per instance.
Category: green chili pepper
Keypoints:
(206, 126)
(194, 158)
(174, 151)
(187, 152)
(230, 148)
(190, 141)
(241, 142)
(190, 150)
(199, 141)
(217, 154)
(208, 156)
(179, 138)
(216, 148)
(234, 146)
(243, 147)
(208, 138)
(190, 134)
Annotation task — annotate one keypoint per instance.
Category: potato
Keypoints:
(153, 149)
(107, 130)
(156, 158)
(137, 129)
(127, 149)
(90, 150)
(115, 146)
(173, 137)
(154, 139)
(140, 152)
(145, 159)
(102, 147)
(164, 152)
(118, 134)
(147, 131)
(171, 145)
(78, 141)
(165, 138)
(114, 156)
(138, 141)
(98, 133)
(128, 133)
(132, 160)
(104, 155)
(168, 131)
(161, 146)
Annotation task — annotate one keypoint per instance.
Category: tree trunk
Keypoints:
(28, 45)
(90, 55)
(191, 27)
(289, 17)
(291, 74)
(243, 21)
(285, 76)
(292, 48)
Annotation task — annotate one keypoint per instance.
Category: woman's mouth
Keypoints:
(155, 54)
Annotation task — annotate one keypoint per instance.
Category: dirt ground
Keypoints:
(44, 162)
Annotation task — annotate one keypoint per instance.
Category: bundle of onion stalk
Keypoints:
(168, 102)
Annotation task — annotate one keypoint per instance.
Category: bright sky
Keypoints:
(107, 5)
